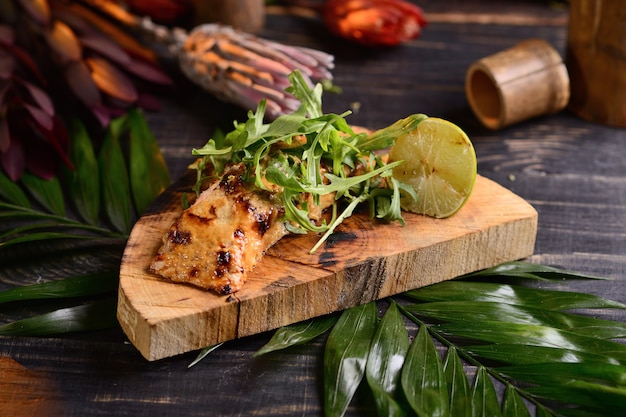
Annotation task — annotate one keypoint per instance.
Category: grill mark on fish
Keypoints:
(221, 236)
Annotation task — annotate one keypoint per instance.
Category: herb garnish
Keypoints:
(307, 155)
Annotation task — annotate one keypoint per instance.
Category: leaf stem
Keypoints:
(61, 221)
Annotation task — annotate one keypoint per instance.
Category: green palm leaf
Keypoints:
(529, 270)
(458, 384)
(48, 193)
(484, 399)
(513, 404)
(45, 228)
(298, 333)
(423, 379)
(87, 285)
(533, 335)
(149, 174)
(562, 373)
(388, 350)
(459, 290)
(345, 356)
(517, 337)
(94, 315)
(597, 397)
(114, 180)
(39, 236)
(471, 311)
(82, 181)
(510, 353)
(11, 192)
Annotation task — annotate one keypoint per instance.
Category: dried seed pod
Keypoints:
(235, 66)
(241, 68)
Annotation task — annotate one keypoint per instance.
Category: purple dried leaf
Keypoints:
(39, 116)
(111, 81)
(61, 134)
(5, 135)
(38, 161)
(148, 72)
(76, 22)
(101, 113)
(148, 102)
(7, 34)
(40, 97)
(116, 108)
(13, 160)
(39, 10)
(106, 47)
(4, 89)
(63, 41)
(79, 79)
(55, 138)
(7, 66)
(25, 59)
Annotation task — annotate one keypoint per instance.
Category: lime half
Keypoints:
(439, 164)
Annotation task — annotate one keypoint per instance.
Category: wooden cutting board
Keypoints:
(364, 260)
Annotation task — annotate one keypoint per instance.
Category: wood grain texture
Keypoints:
(596, 58)
(364, 261)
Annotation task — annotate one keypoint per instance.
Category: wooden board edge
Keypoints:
(332, 291)
(149, 338)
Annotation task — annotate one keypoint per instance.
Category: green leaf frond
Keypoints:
(92, 204)
(549, 360)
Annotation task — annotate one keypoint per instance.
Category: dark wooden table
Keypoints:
(572, 171)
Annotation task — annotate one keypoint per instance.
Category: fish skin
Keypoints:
(220, 238)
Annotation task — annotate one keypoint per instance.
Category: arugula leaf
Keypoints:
(308, 154)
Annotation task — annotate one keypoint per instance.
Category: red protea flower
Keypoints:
(374, 22)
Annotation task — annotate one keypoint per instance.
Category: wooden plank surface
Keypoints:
(364, 261)
(571, 171)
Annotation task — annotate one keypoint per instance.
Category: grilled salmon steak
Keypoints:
(222, 235)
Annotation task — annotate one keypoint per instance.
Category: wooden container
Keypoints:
(246, 15)
(517, 84)
(596, 60)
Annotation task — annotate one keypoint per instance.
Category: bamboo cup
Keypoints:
(519, 83)
(596, 60)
